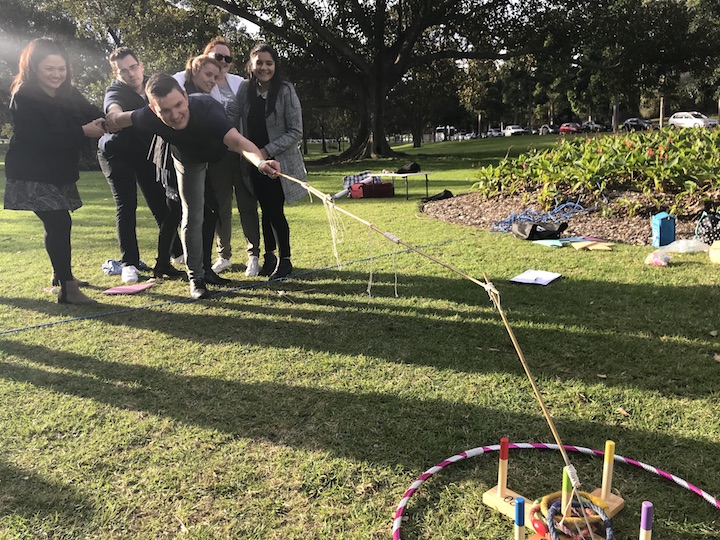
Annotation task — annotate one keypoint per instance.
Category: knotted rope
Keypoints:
(490, 289)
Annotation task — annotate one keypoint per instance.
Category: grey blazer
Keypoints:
(285, 129)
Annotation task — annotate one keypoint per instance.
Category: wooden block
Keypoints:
(506, 504)
(614, 503)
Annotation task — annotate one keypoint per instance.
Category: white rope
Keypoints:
(337, 229)
(370, 277)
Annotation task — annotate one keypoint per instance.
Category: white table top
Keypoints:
(402, 174)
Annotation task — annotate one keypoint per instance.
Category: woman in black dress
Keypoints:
(50, 121)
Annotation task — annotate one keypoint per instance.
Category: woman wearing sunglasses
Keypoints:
(225, 176)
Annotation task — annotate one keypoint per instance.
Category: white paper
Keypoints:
(536, 277)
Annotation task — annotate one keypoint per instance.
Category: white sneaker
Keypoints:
(221, 265)
(179, 260)
(253, 267)
(129, 274)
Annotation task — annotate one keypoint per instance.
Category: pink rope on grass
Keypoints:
(397, 522)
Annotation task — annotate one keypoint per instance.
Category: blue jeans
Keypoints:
(191, 185)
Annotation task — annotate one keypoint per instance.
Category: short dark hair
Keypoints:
(120, 53)
(161, 84)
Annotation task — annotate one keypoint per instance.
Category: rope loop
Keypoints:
(587, 503)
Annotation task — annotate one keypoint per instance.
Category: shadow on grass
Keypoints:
(366, 426)
(372, 427)
(636, 335)
(25, 493)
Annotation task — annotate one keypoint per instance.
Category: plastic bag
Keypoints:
(686, 246)
(657, 258)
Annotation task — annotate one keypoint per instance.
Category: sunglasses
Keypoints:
(220, 57)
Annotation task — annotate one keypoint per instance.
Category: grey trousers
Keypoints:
(191, 185)
(225, 176)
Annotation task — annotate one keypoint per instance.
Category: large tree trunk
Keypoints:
(417, 136)
(380, 146)
(370, 141)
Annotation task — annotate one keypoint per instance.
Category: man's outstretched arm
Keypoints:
(236, 142)
(116, 120)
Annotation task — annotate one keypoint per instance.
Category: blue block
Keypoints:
(663, 229)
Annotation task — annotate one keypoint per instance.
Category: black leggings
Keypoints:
(58, 225)
(276, 230)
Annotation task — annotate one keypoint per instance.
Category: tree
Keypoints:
(25, 20)
(425, 97)
(371, 46)
(480, 93)
(164, 34)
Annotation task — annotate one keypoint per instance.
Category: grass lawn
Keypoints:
(305, 409)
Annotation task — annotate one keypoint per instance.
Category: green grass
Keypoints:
(306, 409)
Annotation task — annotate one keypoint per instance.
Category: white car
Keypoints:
(494, 132)
(690, 120)
(513, 129)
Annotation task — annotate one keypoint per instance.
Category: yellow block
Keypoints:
(715, 252)
(614, 503)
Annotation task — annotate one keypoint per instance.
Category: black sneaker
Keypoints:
(269, 265)
(212, 277)
(198, 290)
(284, 269)
(143, 266)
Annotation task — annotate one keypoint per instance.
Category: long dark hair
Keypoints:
(275, 83)
(35, 52)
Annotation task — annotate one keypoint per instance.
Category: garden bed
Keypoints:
(611, 222)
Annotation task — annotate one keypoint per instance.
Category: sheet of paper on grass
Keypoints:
(549, 243)
(536, 277)
(593, 246)
(129, 289)
(582, 239)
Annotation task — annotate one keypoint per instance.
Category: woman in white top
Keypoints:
(225, 175)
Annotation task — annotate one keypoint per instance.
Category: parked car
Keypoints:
(594, 127)
(546, 129)
(690, 120)
(494, 132)
(513, 129)
(638, 124)
(570, 127)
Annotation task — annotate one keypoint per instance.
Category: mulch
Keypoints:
(610, 221)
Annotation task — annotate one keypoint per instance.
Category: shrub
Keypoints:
(675, 168)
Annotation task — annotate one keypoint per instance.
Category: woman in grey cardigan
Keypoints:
(271, 117)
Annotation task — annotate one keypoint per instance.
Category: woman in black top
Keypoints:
(50, 122)
(272, 119)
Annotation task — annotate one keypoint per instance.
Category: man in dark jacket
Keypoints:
(123, 158)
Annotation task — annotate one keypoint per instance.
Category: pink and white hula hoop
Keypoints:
(397, 522)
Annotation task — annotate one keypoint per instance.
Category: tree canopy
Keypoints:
(394, 61)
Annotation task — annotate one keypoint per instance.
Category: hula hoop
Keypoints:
(397, 522)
